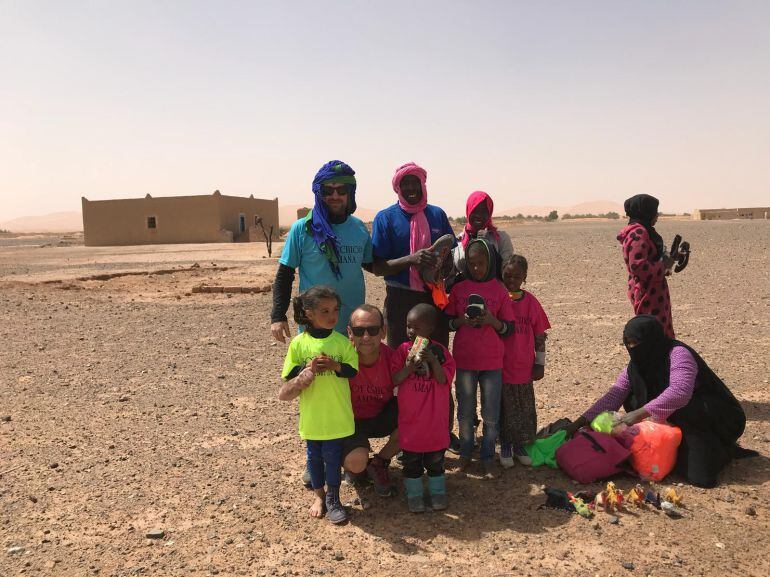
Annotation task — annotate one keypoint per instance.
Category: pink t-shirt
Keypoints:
(423, 405)
(530, 320)
(479, 349)
(372, 387)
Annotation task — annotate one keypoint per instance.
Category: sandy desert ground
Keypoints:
(130, 404)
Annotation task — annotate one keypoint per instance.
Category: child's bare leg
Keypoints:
(317, 508)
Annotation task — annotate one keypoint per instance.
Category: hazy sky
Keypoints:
(534, 102)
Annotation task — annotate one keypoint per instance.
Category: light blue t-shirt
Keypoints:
(355, 248)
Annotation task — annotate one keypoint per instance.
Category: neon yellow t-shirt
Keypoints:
(325, 411)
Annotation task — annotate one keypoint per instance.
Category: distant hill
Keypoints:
(287, 214)
(71, 221)
(592, 207)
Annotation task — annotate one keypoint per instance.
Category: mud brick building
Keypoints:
(178, 219)
(762, 212)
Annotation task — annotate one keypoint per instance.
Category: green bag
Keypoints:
(543, 451)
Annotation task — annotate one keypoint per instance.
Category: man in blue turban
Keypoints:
(328, 246)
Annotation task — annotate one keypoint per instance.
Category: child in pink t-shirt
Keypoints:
(423, 379)
(480, 311)
(523, 363)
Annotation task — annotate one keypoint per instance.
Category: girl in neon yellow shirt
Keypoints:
(317, 368)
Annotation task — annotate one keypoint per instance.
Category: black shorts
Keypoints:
(377, 427)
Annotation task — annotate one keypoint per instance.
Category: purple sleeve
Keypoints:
(681, 384)
(612, 399)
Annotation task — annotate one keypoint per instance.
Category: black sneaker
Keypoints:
(335, 512)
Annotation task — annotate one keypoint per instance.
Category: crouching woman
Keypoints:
(666, 380)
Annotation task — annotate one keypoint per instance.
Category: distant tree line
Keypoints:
(612, 215)
(553, 215)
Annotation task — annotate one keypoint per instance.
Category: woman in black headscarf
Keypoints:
(666, 380)
(646, 261)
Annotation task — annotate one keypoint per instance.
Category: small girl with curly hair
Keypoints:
(318, 364)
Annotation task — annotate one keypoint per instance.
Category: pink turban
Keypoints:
(419, 229)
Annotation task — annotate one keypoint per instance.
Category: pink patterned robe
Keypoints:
(647, 286)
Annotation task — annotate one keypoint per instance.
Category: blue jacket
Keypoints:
(390, 234)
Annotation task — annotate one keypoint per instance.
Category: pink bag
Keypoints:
(590, 456)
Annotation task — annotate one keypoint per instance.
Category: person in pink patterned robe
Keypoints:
(646, 261)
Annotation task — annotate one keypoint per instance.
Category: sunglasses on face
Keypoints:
(359, 331)
(327, 190)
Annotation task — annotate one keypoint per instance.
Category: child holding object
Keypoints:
(480, 311)
(423, 371)
(523, 363)
(318, 364)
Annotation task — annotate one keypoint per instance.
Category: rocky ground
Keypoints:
(141, 433)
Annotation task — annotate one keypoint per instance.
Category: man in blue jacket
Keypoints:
(402, 235)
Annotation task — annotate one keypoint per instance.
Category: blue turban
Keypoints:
(334, 171)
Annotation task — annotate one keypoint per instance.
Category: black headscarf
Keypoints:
(712, 405)
(648, 371)
(642, 209)
(491, 255)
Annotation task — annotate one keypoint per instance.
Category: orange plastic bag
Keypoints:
(653, 451)
(438, 293)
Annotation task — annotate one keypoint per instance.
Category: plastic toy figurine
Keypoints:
(580, 506)
(611, 499)
(557, 499)
(652, 498)
(672, 497)
(614, 498)
(636, 496)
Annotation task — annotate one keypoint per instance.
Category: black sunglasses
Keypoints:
(359, 331)
(329, 190)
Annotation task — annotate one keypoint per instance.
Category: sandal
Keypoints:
(442, 248)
